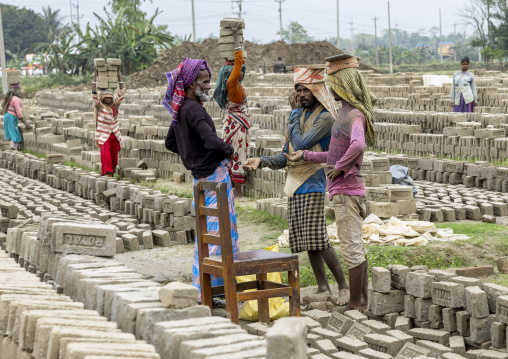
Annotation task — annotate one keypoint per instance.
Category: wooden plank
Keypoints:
(263, 309)
(211, 239)
(208, 211)
(267, 293)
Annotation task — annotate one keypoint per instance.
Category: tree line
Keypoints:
(124, 32)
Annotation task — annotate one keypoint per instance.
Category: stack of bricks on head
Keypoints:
(13, 77)
(226, 40)
(107, 72)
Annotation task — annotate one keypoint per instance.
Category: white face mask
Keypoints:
(203, 96)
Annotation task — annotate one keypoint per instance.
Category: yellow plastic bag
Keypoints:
(278, 307)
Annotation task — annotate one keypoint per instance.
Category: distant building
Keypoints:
(446, 48)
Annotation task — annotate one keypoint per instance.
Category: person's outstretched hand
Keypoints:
(295, 156)
(252, 164)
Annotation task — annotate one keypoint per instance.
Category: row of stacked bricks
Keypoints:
(444, 311)
(107, 72)
(383, 198)
(470, 136)
(37, 322)
(406, 91)
(416, 312)
(143, 217)
(97, 306)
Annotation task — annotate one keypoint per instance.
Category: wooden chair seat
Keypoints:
(229, 265)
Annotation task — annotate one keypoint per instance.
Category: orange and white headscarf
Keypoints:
(314, 80)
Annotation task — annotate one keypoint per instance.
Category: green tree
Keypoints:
(135, 44)
(22, 28)
(295, 33)
(129, 9)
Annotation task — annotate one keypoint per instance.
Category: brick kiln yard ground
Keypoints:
(258, 229)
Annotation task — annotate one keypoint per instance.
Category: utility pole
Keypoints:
(375, 34)
(77, 11)
(455, 41)
(352, 37)
(239, 3)
(193, 23)
(440, 36)
(338, 25)
(390, 39)
(2, 55)
(280, 16)
(70, 4)
(396, 33)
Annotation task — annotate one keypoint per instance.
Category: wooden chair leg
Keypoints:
(263, 306)
(206, 290)
(231, 300)
(294, 300)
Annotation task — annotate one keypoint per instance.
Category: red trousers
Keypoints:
(109, 154)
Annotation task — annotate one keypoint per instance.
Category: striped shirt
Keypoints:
(107, 122)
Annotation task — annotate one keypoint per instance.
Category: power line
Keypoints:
(280, 16)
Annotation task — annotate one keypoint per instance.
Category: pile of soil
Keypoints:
(257, 55)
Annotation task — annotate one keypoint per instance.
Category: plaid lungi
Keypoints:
(307, 223)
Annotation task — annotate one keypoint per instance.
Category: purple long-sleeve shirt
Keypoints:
(345, 153)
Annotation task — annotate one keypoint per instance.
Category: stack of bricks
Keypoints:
(416, 312)
(226, 40)
(88, 306)
(107, 72)
(141, 216)
(13, 77)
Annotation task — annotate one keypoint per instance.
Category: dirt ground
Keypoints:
(488, 243)
(175, 263)
(257, 55)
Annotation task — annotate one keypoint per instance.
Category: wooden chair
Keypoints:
(228, 266)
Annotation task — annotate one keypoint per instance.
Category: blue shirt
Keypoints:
(318, 133)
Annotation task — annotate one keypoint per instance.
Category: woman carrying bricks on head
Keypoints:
(12, 109)
(463, 95)
(230, 95)
(351, 132)
(107, 131)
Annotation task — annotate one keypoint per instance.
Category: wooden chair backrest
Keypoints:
(223, 238)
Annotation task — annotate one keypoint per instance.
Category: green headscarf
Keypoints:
(220, 93)
(349, 85)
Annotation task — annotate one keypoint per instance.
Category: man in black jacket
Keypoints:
(193, 136)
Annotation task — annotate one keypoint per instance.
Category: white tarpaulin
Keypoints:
(436, 80)
(394, 232)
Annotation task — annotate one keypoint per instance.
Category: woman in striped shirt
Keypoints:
(107, 131)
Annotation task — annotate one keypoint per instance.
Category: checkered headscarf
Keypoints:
(178, 80)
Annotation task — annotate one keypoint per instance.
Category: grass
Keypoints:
(435, 256)
(38, 155)
(267, 221)
(166, 188)
(76, 165)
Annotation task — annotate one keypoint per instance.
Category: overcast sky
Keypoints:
(262, 16)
